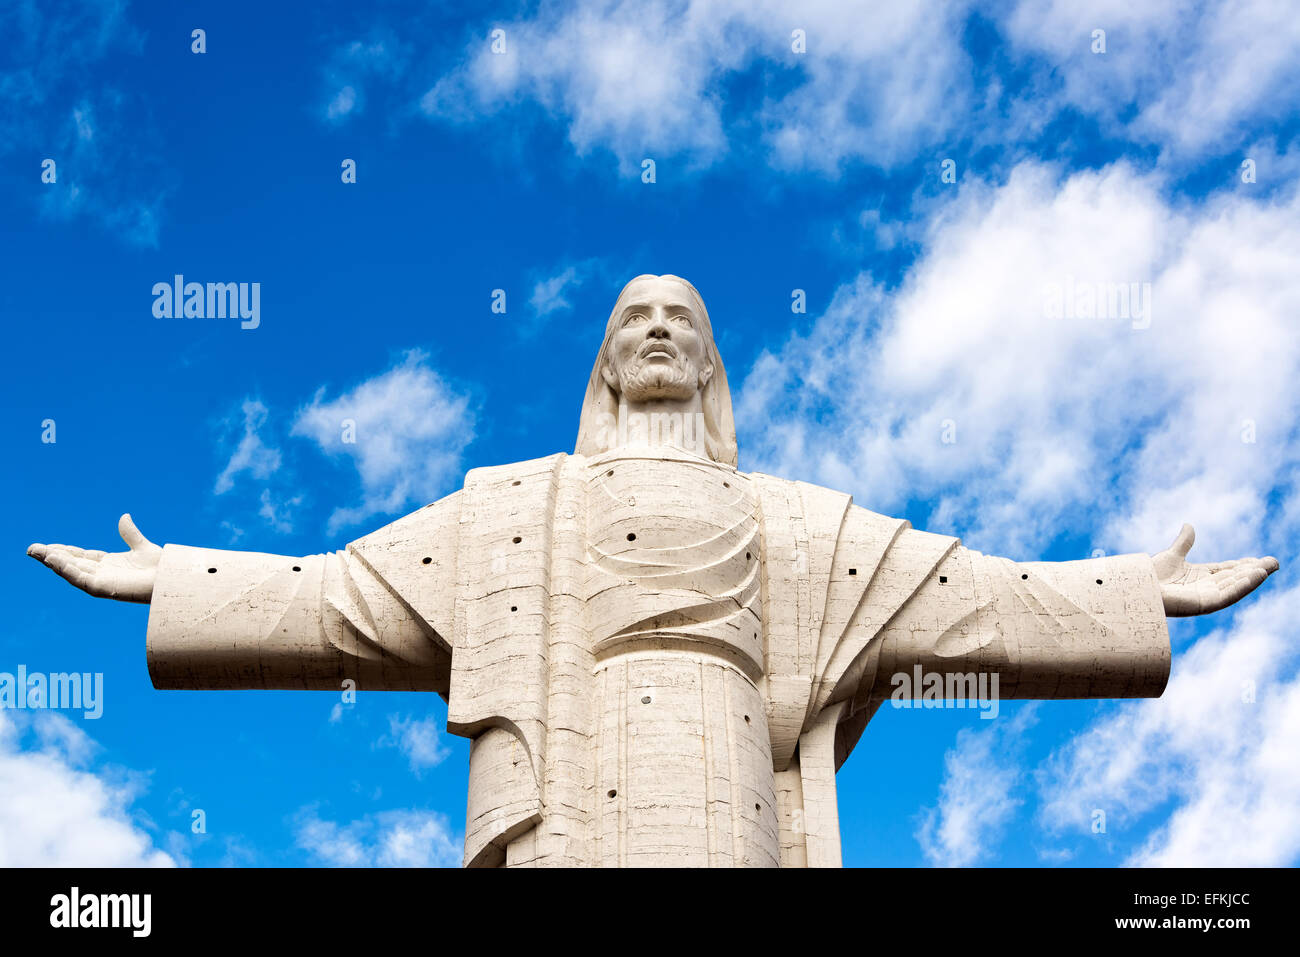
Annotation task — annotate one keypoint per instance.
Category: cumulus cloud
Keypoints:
(1215, 757)
(876, 83)
(972, 394)
(405, 431)
(653, 78)
(55, 811)
(967, 387)
(404, 838)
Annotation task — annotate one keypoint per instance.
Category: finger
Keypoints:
(1270, 564)
(76, 552)
(1215, 567)
(1241, 584)
(85, 564)
(64, 567)
(1228, 578)
(130, 534)
(1183, 543)
(40, 551)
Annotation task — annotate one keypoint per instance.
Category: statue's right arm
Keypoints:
(228, 619)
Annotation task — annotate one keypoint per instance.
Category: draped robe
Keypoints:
(657, 659)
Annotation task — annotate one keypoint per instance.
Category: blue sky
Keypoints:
(775, 171)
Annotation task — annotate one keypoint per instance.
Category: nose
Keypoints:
(659, 329)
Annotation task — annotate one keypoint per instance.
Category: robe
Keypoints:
(655, 657)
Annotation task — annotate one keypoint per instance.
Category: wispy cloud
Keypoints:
(58, 94)
(549, 294)
(353, 68)
(978, 797)
(404, 838)
(251, 452)
(418, 739)
(1188, 76)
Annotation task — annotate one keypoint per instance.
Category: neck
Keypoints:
(667, 423)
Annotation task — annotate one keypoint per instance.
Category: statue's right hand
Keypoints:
(126, 576)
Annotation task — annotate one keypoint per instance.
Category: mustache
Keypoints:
(658, 345)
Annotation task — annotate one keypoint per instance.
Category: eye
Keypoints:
(634, 319)
(682, 320)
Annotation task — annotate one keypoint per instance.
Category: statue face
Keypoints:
(658, 349)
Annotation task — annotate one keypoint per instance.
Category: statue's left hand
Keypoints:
(1189, 589)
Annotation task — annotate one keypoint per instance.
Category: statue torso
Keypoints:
(682, 762)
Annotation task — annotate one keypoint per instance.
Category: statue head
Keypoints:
(659, 355)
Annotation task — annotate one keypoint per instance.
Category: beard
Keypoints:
(642, 381)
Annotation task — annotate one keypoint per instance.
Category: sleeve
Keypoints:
(230, 620)
(1081, 629)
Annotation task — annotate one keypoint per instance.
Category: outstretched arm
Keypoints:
(1094, 628)
(229, 619)
(1082, 629)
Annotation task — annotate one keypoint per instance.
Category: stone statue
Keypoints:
(658, 659)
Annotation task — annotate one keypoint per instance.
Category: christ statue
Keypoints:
(658, 659)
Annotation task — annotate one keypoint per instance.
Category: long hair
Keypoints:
(600, 405)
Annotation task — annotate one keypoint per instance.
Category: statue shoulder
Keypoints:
(529, 470)
(832, 505)
(429, 535)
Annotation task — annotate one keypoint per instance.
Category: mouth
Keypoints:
(657, 348)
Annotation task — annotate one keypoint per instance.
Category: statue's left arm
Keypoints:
(1080, 629)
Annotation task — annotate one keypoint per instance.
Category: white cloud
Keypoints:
(277, 514)
(343, 103)
(417, 739)
(354, 66)
(1083, 426)
(1094, 429)
(251, 454)
(977, 798)
(878, 83)
(1198, 74)
(1218, 749)
(548, 294)
(410, 429)
(58, 96)
(651, 78)
(386, 839)
(54, 812)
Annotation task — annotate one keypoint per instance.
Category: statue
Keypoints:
(658, 659)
